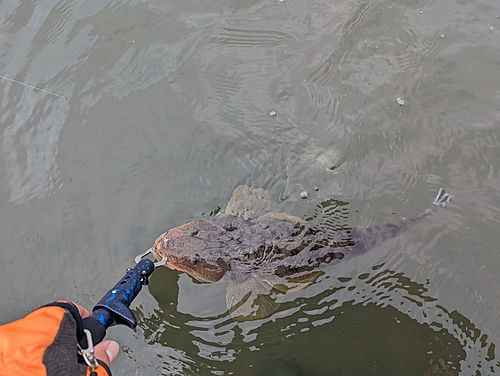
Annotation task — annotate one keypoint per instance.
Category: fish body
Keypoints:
(256, 254)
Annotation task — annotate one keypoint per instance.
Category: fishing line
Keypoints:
(32, 87)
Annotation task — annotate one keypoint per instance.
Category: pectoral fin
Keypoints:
(297, 283)
(248, 202)
(250, 300)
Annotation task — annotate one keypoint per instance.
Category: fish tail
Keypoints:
(441, 199)
(373, 236)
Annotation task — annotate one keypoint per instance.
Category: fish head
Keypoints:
(192, 248)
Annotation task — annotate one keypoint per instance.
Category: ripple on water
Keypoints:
(370, 57)
(30, 144)
(55, 23)
(238, 37)
(335, 315)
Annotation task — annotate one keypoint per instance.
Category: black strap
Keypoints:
(89, 323)
(74, 312)
(104, 365)
(97, 330)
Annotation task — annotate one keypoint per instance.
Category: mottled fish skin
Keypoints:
(372, 237)
(256, 254)
(230, 248)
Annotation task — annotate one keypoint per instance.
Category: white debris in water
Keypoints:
(420, 11)
(491, 28)
(303, 194)
(272, 113)
(400, 101)
(281, 1)
(442, 35)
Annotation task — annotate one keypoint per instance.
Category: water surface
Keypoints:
(163, 108)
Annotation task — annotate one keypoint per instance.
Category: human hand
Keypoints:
(105, 351)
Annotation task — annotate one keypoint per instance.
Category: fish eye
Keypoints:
(165, 241)
(194, 259)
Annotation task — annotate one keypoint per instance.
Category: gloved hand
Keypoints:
(45, 343)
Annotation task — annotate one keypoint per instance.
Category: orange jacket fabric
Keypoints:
(43, 343)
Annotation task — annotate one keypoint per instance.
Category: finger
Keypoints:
(107, 351)
(83, 311)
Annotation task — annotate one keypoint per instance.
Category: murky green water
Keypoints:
(163, 108)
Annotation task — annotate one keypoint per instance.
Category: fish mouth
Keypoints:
(158, 253)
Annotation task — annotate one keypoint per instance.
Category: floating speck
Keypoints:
(420, 11)
(442, 35)
(303, 194)
(281, 1)
(272, 113)
(491, 28)
(400, 101)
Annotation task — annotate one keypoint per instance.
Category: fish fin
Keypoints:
(442, 198)
(295, 283)
(250, 300)
(248, 203)
(282, 216)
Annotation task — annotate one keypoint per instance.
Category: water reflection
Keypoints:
(30, 143)
(168, 110)
(378, 323)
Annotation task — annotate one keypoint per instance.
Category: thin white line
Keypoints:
(32, 87)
